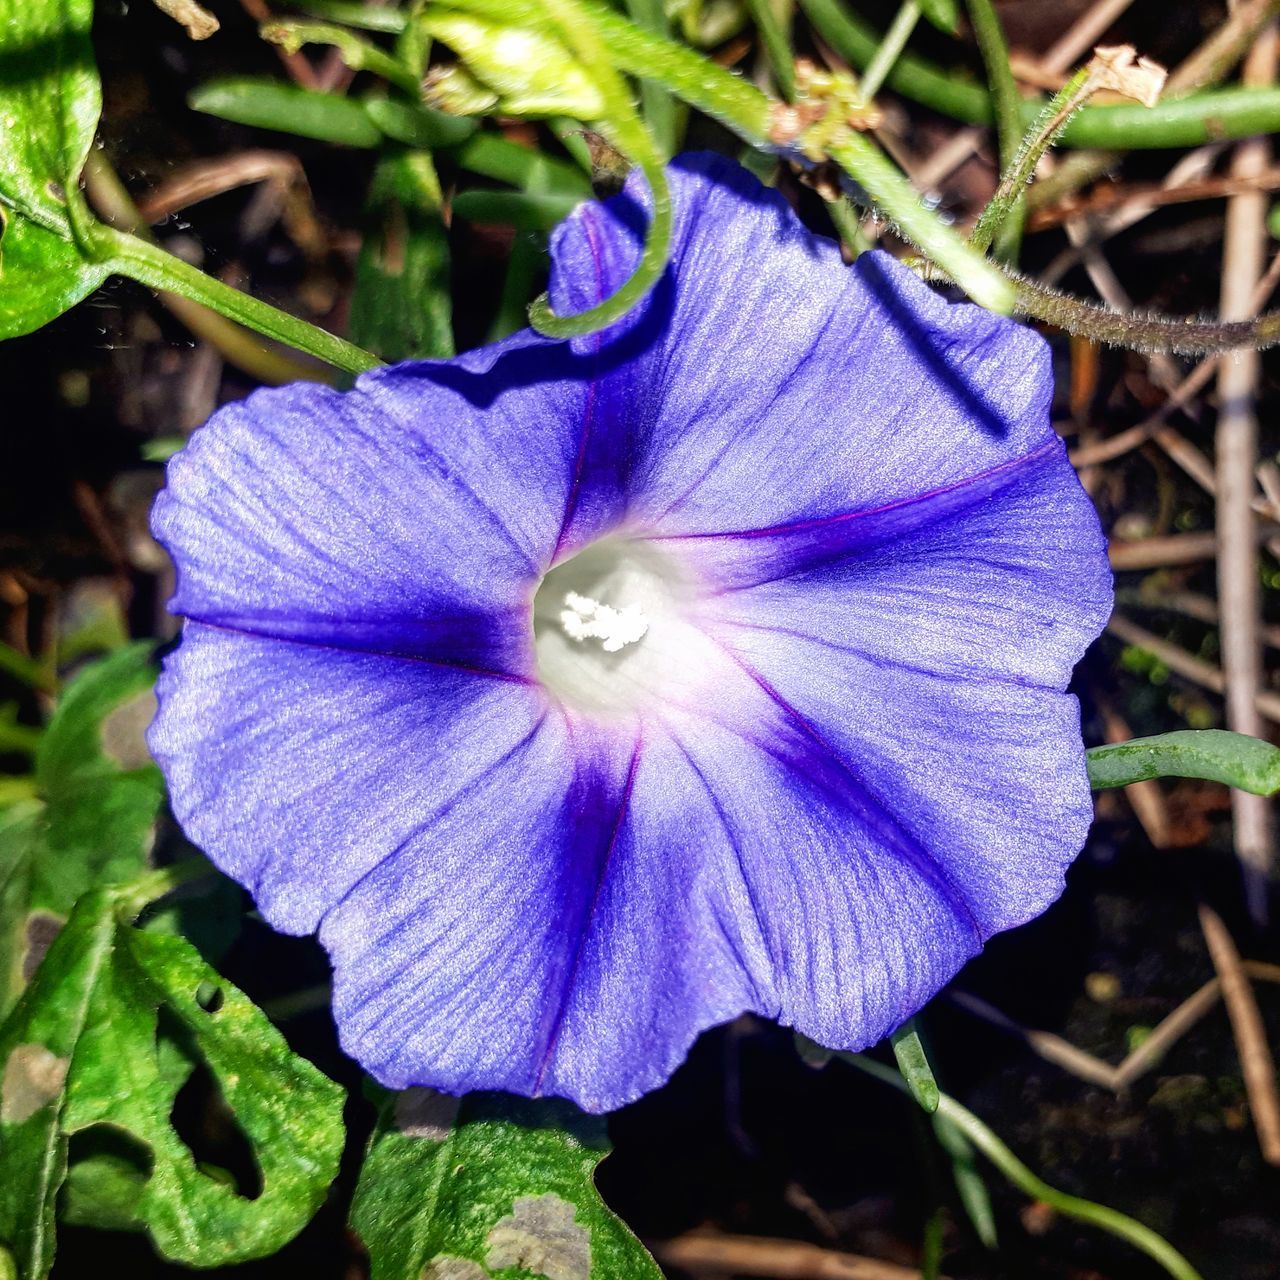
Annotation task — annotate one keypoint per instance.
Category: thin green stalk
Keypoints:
(358, 54)
(657, 104)
(208, 322)
(1008, 108)
(1018, 172)
(890, 49)
(859, 156)
(150, 265)
(623, 128)
(1109, 1220)
(1139, 332)
(848, 225)
(777, 46)
(1176, 122)
(365, 17)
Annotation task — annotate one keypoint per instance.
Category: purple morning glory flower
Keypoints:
(584, 695)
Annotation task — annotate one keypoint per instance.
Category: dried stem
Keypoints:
(1239, 594)
(1256, 1063)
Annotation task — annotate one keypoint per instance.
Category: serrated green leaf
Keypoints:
(50, 100)
(91, 822)
(489, 1185)
(80, 1050)
(1214, 754)
(401, 306)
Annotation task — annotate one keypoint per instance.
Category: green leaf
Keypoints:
(417, 125)
(971, 1187)
(914, 1065)
(81, 1050)
(42, 274)
(943, 14)
(489, 1186)
(97, 797)
(306, 113)
(401, 307)
(50, 100)
(523, 210)
(1214, 754)
(102, 791)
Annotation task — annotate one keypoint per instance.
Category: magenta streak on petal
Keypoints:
(926, 865)
(878, 660)
(801, 526)
(571, 977)
(511, 676)
(584, 438)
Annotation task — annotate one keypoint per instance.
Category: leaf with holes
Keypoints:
(84, 1049)
(489, 1185)
(50, 99)
(98, 794)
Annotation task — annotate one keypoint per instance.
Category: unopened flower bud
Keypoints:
(527, 72)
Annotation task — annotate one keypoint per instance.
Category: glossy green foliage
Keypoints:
(489, 1187)
(100, 1043)
(49, 104)
(91, 819)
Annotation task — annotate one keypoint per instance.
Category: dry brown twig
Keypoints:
(1187, 665)
(1256, 1063)
(1236, 437)
(702, 1252)
(280, 171)
(200, 24)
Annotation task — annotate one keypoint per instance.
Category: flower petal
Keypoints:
(868, 388)
(412, 515)
(298, 768)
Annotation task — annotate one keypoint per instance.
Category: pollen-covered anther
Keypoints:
(586, 619)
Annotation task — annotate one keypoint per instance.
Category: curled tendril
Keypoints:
(653, 261)
(624, 128)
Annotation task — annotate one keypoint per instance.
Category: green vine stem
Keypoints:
(777, 46)
(1109, 1220)
(890, 50)
(1139, 331)
(1018, 171)
(237, 345)
(1176, 122)
(859, 156)
(358, 54)
(150, 265)
(1217, 755)
(624, 129)
(141, 259)
(1008, 111)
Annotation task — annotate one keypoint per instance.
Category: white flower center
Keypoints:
(586, 619)
(611, 627)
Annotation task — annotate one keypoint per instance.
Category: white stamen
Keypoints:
(588, 619)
